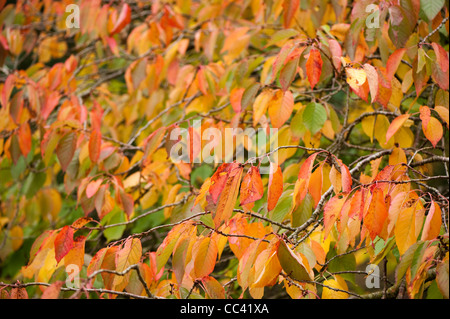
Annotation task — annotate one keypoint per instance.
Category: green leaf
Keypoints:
(303, 211)
(283, 207)
(406, 260)
(291, 263)
(314, 116)
(249, 95)
(288, 73)
(342, 263)
(431, 8)
(282, 35)
(442, 277)
(114, 217)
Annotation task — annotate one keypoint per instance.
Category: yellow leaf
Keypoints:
(405, 229)
(337, 283)
(16, 234)
(355, 77)
(267, 268)
(130, 254)
(441, 110)
(171, 199)
(260, 105)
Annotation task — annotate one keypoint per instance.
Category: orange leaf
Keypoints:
(331, 212)
(275, 186)
(95, 142)
(252, 187)
(280, 108)
(218, 180)
(434, 131)
(267, 267)
(314, 67)
(228, 196)
(315, 184)
(376, 214)
(433, 222)
(24, 134)
(393, 62)
(396, 124)
(204, 256)
(425, 115)
(235, 99)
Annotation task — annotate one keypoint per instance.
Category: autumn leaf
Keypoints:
(123, 19)
(204, 255)
(292, 264)
(433, 131)
(275, 186)
(280, 108)
(376, 214)
(395, 125)
(433, 222)
(228, 196)
(127, 256)
(314, 67)
(252, 186)
(63, 242)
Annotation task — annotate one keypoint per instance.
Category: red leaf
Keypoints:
(275, 186)
(219, 179)
(123, 20)
(63, 242)
(314, 67)
(306, 169)
(441, 56)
